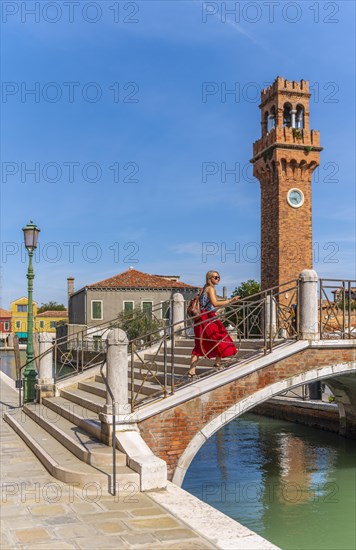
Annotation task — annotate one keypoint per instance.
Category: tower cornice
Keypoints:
(306, 148)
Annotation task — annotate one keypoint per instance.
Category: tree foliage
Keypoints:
(340, 304)
(139, 324)
(235, 314)
(51, 306)
(247, 288)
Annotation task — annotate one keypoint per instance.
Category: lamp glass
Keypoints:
(31, 232)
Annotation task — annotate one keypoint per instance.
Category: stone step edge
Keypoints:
(98, 388)
(90, 425)
(57, 470)
(93, 457)
(71, 395)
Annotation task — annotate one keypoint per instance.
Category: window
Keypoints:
(52, 324)
(128, 306)
(300, 117)
(265, 123)
(41, 324)
(6, 325)
(22, 308)
(97, 310)
(287, 115)
(272, 119)
(147, 308)
(18, 324)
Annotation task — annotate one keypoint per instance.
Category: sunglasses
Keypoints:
(216, 277)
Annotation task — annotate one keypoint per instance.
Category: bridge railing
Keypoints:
(269, 317)
(83, 347)
(337, 309)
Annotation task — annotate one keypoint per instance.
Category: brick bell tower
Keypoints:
(284, 159)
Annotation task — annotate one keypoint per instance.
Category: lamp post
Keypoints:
(31, 232)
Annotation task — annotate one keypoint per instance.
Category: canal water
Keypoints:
(292, 484)
(7, 362)
(8, 365)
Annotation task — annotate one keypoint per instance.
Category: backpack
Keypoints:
(194, 309)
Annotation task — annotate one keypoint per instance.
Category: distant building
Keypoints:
(5, 323)
(339, 292)
(102, 301)
(19, 310)
(48, 320)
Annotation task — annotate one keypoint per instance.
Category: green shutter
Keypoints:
(128, 307)
(96, 310)
(147, 308)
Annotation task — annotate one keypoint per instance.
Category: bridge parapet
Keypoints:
(175, 429)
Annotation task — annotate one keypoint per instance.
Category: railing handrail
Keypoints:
(337, 280)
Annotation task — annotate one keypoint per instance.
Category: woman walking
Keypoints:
(211, 338)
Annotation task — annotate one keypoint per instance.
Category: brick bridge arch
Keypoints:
(340, 371)
(178, 426)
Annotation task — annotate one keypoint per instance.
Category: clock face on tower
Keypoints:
(295, 197)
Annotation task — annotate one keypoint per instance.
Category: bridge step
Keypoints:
(59, 461)
(90, 386)
(84, 446)
(84, 398)
(185, 359)
(243, 343)
(79, 415)
(98, 388)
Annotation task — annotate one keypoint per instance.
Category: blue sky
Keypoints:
(118, 131)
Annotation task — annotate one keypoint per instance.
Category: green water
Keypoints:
(292, 484)
(7, 362)
(8, 366)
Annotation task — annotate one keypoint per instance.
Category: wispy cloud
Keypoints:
(192, 248)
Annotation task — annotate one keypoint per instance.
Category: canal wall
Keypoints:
(316, 414)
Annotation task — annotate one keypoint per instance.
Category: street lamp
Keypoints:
(31, 232)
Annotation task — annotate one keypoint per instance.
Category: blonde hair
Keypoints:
(209, 275)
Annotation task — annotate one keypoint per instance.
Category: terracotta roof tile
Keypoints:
(4, 313)
(53, 313)
(137, 279)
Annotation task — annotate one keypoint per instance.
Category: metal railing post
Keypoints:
(133, 347)
(165, 361)
(321, 308)
(271, 305)
(264, 323)
(343, 309)
(172, 361)
(349, 307)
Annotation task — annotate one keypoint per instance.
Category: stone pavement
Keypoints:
(38, 511)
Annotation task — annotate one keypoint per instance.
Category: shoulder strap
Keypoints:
(201, 291)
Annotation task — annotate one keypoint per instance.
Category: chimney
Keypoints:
(70, 286)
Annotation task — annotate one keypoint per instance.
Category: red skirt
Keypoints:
(211, 338)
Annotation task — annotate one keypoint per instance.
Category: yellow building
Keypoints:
(19, 309)
(46, 321)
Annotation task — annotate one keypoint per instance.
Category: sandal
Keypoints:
(192, 376)
(218, 366)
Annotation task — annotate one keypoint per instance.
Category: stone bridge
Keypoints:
(160, 438)
(176, 428)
